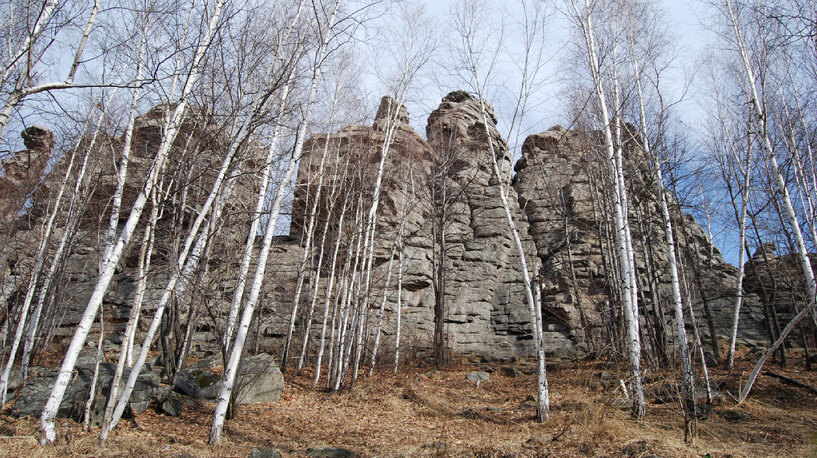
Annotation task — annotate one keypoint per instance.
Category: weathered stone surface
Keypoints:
(330, 452)
(198, 383)
(259, 452)
(22, 171)
(32, 397)
(779, 283)
(477, 376)
(562, 184)
(261, 380)
(733, 415)
(556, 202)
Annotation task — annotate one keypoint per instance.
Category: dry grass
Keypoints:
(420, 412)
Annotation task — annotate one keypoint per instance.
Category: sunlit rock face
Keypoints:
(563, 183)
(22, 171)
(558, 198)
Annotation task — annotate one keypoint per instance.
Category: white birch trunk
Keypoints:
(241, 283)
(766, 143)
(397, 242)
(47, 230)
(730, 359)
(39, 259)
(747, 387)
(86, 418)
(310, 232)
(399, 310)
(122, 175)
(126, 352)
(20, 91)
(686, 363)
(255, 290)
(316, 282)
(624, 250)
(39, 24)
(171, 129)
(176, 285)
(326, 303)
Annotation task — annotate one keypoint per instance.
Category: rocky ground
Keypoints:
(422, 411)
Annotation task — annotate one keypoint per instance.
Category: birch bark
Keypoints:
(171, 129)
(238, 346)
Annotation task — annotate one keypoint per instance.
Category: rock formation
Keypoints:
(561, 182)
(22, 171)
(557, 202)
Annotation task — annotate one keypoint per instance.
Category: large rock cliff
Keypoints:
(557, 201)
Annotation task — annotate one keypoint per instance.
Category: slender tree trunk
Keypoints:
(126, 352)
(42, 252)
(86, 418)
(624, 248)
(399, 309)
(30, 291)
(171, 129)
(327, 301)
(255, 290)
(811, 284)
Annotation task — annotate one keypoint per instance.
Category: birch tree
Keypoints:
(756, 100)
(326, 31)
(584, 19)
(29, 56)
(171, 128)
(678, 306)
(468, 26)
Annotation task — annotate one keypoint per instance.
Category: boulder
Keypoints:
(733, 415)
(331, 452)
(258, 452)
(635, 448)
(32, 397)
(198, 383)
(172, 406)
(477, 377)
(261, 380)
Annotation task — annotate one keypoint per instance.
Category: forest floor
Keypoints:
(422, 411)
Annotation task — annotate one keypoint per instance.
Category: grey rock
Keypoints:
(145, 391)
(261, 380)
(198, 383)
(258, 452)
(511, 372)
(32, 397)
(15, 380)
(330, 452)
(477, 376)
(553, 201)
(635, 448)
(733, 415)
(172, 406)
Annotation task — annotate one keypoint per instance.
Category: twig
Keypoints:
(790, 381)
(564, 430)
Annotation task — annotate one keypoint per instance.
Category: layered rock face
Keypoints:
(22, 171)
(485, 309)
(485, 297)
(779, 283)
(562, 185)
(557, 202)
(559, 205)
(193, 163)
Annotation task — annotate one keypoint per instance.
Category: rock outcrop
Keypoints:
(557, 201)
(23, 170)
(562, 186)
